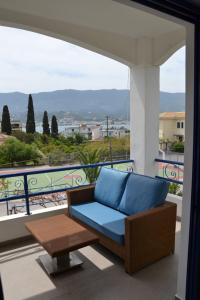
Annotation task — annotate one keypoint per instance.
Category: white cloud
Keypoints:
(31, 62)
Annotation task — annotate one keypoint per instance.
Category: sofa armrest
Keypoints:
(80, 195)
(149, 236)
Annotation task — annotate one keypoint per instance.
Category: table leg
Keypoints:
(60, 263)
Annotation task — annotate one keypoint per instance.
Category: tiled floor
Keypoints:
(102, 277)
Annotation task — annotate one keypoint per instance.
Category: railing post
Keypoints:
(26, 194)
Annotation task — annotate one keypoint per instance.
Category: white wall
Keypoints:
(178, 201)
(13, 226)
(168, 129)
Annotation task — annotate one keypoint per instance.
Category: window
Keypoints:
(182, 124)
(178, 125)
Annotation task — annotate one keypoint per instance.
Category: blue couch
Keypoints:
(129, 214)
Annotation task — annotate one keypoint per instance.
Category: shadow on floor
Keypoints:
(102, 277)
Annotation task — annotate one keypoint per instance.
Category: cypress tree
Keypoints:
(30, 123)
(54, 126)
(5, 123)
(45, 125)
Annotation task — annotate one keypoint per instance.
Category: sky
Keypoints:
(31, 62)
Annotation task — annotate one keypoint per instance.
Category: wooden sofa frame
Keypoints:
(149, 235)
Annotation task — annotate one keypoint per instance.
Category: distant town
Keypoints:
(171, 127)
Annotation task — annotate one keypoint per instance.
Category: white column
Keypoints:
(144, 117)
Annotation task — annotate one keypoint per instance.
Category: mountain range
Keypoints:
(84, 104)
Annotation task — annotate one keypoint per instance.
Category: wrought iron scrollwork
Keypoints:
(70, 179)
(19, 184)
(46, 187)
(32, 181)
(173, 171)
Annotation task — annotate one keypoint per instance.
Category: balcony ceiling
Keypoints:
(104, 26)
(102, 15)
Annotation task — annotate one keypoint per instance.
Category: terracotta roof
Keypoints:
(172, 115)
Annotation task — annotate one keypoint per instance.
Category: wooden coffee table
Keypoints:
(59, 235)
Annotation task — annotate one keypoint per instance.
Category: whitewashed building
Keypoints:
(71, 131)
(101, 132)
(84, 130)
(172, 126)
(15, 125)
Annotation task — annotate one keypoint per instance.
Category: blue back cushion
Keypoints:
(142, 193)
(110, 186)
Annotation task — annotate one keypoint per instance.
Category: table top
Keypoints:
(60, 234)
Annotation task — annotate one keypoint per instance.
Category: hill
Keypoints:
(86, 103)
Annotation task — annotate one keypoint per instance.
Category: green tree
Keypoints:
(54, 126)
(45, 123)
(87, 158)
(78, 139)
(30, 122)
(13, 151)
(5, 123)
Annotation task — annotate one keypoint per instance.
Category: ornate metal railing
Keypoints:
(172, 171)
(31, 186)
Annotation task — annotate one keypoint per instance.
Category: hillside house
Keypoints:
(172, 126)
(101, 132)
(15, 125)
(84, 130)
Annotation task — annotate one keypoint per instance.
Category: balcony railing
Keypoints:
(34, 184)
(44, 187)
(172, 171)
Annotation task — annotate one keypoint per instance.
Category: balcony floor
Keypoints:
(102, 277)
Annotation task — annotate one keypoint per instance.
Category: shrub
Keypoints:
(177, 147)
(57, 157)
(78, 139)
(175, 188)
(13, 151)
(27, 138)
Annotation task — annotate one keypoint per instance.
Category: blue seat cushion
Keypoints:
(110, 186)
(104, 219)
(142, 193)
